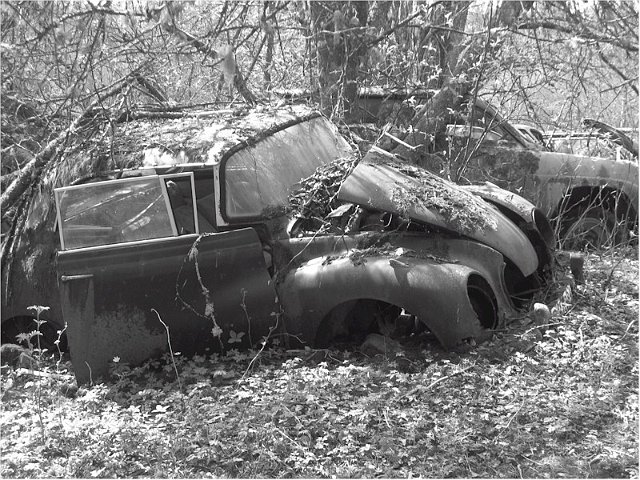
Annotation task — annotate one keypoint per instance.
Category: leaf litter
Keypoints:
(545, 400)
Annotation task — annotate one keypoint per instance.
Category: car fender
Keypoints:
(432, 288)
(527, 212)
(560, 172)
(385, 186)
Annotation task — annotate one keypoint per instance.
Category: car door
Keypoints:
(131, 287)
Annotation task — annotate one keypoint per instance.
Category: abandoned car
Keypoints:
(590, 195)
(597, 140)
(591, 200)
(283, 234)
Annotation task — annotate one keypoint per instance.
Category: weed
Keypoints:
(595, 223)
(243, 305)
(264, 342)
(57, 344)
(38, 309)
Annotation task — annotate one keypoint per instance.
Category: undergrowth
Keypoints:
(546, 400)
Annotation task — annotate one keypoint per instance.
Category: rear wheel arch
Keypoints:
(359, 317)
(434, 289)
(587, 209)
(353, 318)
(583, 198)
(18, 324)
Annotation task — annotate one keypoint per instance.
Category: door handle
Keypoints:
(70, 278)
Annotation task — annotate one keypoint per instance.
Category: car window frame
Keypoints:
(222, 165)
(194, 203)
(162, 179)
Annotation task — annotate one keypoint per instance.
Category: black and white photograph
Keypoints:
(319, 239)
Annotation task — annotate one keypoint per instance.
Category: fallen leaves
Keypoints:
(552, 399)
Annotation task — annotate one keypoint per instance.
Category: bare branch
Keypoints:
(631, 82)
(238, 80)
(30, 173)
(580, 32)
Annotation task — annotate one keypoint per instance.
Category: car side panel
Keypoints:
(560, 172)
(117, 299)
(430, 286)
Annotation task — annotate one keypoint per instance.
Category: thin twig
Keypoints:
(90, 373)
(514, 415)
(175, 368)
(434, 383)
(264, 344)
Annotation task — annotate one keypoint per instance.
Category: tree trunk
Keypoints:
(339, 30)
(354, 51)
(459, 78)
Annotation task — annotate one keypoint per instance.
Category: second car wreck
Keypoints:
(587, 184)
(287, 234)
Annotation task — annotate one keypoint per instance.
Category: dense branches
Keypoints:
(553, 63)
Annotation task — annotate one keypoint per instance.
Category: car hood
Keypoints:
(422, 196)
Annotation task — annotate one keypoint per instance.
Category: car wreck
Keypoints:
(285, 234)
(589, 194)
(598, 139)
(591, 200)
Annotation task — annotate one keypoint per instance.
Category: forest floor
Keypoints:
(546, 400)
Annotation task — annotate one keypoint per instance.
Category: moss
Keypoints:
(460, 209)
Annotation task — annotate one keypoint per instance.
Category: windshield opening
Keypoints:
(257, 180)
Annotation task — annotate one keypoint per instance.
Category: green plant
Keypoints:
(38, 356)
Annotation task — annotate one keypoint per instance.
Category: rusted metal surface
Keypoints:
(514, 202)
(546, 177)
(196, 136)
(559, 172)
(438, 203)
(108, 294)
(529, 214)
(218, 290)
(428, 277)
(614, 135)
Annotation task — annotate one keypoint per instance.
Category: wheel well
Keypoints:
(25, 324)
(583, 198)
(354, 319)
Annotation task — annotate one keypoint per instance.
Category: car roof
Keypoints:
(198, 136)
(147, 142)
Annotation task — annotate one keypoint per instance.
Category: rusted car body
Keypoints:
(209, 255)
(590, 195)
(593, 197)
(598, 139)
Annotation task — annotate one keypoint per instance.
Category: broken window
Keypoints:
(127, 210)
(182, 199)
(258, 179)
